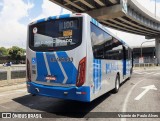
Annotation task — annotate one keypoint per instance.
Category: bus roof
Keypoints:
(79, 14)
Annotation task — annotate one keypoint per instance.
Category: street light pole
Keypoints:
(143, 43)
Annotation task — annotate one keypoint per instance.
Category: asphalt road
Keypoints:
(130, 98)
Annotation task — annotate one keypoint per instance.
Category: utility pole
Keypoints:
(143, 43)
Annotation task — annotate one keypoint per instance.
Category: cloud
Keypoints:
(50, 9)
(13, 32)
(1, 4)
(96, 39)
(132, 40)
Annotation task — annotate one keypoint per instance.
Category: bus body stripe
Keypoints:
(69, 68)
(62, 69)
(55, 69)
(41, 67)
(94, 75)
(97, 74)
(124, 67)
(47, 66)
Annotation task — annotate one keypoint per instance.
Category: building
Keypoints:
(148, 55)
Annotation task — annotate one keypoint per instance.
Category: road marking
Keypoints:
(153, 73)
(24, 90)
(148, 72)
(138, 73)
(127, 98)
(147, 88)
(4, 107)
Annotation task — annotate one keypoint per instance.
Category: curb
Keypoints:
(13, 87)
(146, 68)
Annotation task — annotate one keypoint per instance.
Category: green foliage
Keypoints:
(16, 53)
(3, 51)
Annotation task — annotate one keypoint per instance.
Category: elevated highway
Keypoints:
(124, 15)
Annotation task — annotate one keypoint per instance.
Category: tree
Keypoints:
(3, 51)
(16, 53)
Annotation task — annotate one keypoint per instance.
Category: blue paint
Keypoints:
(52, 18)
(34, 61)
(111, 67)
(95, 22)
(128, 66)
(69, 68)
(58, 92)
(108, 68)
(41, 67)
(94, 75)
(100, 74)
(64, 16)
(97, 75)
(54, 69)
(124, 67)
(41, 20)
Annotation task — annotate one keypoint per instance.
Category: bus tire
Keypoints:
(117, 84)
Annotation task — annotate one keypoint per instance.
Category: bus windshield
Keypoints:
(56, 35)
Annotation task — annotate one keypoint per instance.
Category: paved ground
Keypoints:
(129, 99)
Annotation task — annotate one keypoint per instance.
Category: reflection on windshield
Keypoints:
(46, 41)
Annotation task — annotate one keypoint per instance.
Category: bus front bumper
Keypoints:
(71, 93)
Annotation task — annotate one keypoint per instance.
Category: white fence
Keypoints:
(12, 74)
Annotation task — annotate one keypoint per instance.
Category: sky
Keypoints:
(15, 15)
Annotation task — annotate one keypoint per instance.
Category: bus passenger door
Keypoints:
(124, 62)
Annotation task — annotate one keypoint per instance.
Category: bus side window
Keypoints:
(98, 39)
(113, 50)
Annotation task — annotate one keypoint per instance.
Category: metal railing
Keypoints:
(148, 62)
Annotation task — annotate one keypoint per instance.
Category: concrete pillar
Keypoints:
(8, 73)
(157, 42)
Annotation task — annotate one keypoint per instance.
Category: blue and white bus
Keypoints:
(74, 57)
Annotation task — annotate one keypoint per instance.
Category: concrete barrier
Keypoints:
(12, 75)
(144, 65)
(13, 72)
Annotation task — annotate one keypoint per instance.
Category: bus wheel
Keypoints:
(117, 84)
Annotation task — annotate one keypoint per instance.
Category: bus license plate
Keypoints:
(49, 77)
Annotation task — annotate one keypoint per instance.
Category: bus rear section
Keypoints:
(56, 64)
